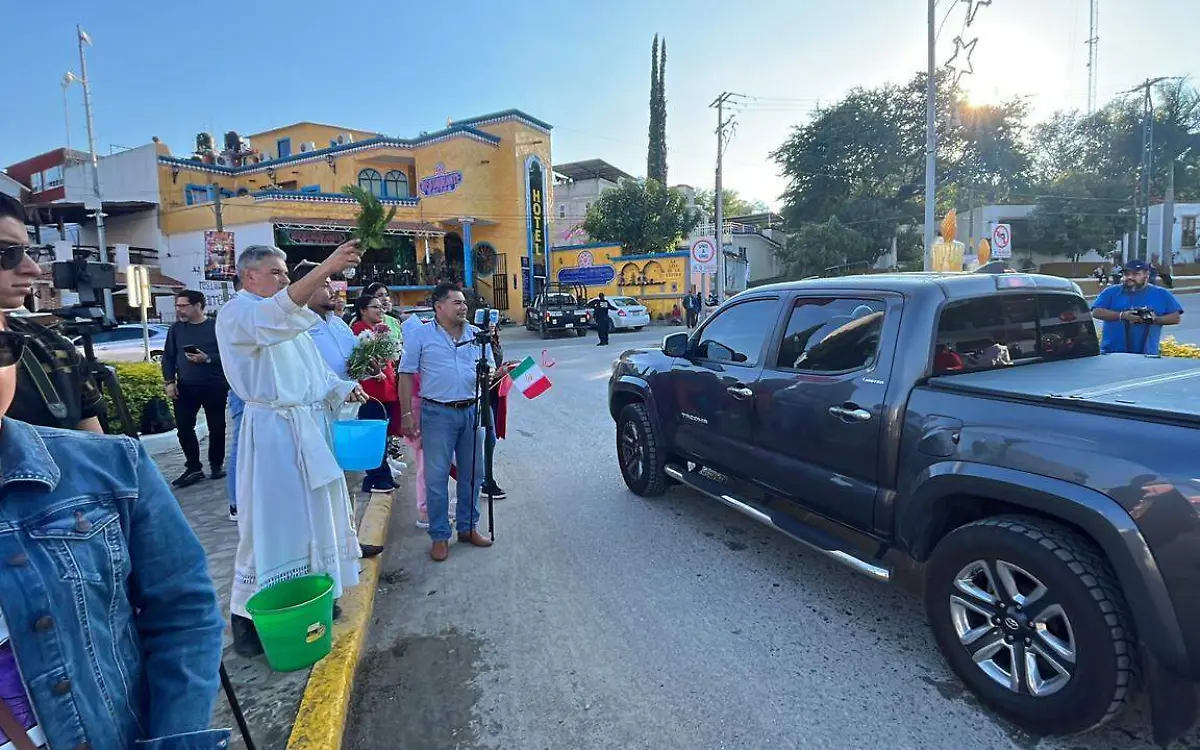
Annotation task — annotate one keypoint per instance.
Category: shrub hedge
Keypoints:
(140, 382)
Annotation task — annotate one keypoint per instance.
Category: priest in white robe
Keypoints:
(294, 512)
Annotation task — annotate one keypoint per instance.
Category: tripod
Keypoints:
(485, 419)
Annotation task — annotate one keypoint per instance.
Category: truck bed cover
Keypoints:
(1129, 385)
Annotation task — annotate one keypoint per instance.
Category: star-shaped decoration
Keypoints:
(966, 49)
(973, 7)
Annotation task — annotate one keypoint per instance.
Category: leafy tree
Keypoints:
(818, 246)
(732, 203)
(1079, 213)
(656, 153)
(642, 215)
(863, 159)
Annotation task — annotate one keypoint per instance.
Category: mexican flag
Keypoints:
(529, 379)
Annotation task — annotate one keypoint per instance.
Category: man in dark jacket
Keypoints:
(600, 308)
(191, 367)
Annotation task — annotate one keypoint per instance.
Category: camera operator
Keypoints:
(1135, 312)
(54, 388)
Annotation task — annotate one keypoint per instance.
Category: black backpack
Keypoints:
(157, 417)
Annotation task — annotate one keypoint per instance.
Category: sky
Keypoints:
(174, 69)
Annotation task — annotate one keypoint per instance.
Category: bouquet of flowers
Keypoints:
(375, 348)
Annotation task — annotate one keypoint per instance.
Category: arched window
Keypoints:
(369, 180)
(395, 184)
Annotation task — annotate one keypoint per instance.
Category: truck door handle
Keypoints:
(740, 392)
(850, 413)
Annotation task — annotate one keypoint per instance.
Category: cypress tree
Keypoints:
(653, 157)
(661, 147)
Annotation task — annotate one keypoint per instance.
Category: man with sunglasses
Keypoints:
(54, 388)
(116, 642)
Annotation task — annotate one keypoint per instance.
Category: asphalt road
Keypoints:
(603, 620)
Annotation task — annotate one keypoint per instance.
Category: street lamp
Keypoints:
(101, 238)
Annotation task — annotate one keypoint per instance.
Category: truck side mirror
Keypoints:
(675, 344)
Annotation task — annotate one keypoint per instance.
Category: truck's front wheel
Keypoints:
(1030, 616)
(639, 452)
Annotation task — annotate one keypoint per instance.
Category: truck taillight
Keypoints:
(547, 317)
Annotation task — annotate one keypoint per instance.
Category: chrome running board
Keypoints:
(810, 536)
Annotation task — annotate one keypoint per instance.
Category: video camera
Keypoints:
(88, 279)
(1144, 314)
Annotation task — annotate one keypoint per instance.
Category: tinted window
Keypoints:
(1005, 330)
(737, 334)
(831, 335)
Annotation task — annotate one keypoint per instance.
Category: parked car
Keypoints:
(559, 307)
(964, 427)
(124, 343)
(630, 314)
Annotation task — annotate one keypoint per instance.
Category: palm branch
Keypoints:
(371, 225)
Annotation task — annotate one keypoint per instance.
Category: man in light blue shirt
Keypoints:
(445, 354)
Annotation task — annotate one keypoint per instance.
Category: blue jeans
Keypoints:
(236, 407)
(450, 433)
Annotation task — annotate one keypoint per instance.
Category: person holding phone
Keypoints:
(191, 365)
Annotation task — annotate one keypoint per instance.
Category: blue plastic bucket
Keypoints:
(359, 444)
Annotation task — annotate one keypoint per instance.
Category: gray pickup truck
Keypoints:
(963, 430)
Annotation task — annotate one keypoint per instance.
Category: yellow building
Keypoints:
(471, 203)
(658, 280)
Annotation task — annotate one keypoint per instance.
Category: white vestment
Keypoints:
(294, 512)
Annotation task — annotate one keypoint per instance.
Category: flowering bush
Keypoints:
(375, 348)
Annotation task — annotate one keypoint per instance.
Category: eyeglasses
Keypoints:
(11, 347)
(12, 255)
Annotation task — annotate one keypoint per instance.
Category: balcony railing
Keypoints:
(418, 275)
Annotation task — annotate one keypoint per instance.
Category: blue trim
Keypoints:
(191, 190)
(588, 246)
(454, 130)
(311, 189)
(288, 195)
(507, 114)
(652, 256)
(281, 145)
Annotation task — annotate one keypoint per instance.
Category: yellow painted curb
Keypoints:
(321, 719)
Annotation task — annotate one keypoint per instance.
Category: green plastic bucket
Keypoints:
(294, 620)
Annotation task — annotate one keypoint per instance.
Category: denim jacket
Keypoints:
(111, 612)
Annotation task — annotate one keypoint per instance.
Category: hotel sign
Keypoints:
(539, 238)
(440, 182)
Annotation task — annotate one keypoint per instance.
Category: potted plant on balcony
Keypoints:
(370, 228)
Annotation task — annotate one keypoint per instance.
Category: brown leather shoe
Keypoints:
(440, 551)
(475, 538)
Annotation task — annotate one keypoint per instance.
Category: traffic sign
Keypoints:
(1002, 241)
(704, 255)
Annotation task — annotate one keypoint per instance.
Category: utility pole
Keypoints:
(1093, 44)
(931, 136)
(101, 239)
(1146, 167)
(723, 126)
(1168, 219)
(216, 201)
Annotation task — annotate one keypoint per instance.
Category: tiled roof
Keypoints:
(503, 116)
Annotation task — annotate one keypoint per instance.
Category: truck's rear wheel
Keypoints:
(639, 452)
(580, 332)
(1030, 616)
